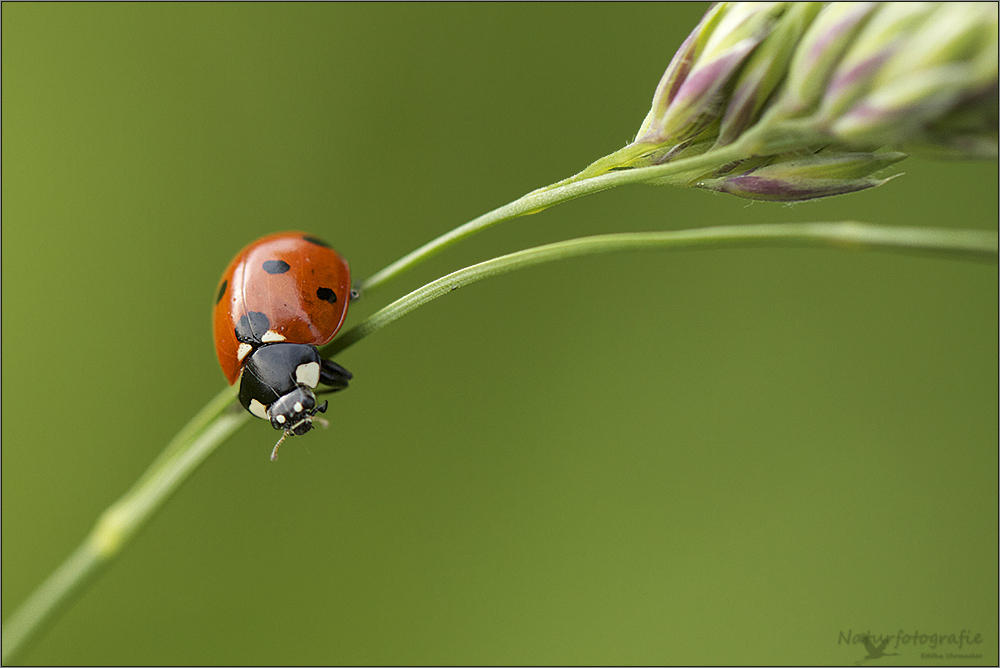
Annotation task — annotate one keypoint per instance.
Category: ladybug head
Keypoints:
(294, 413)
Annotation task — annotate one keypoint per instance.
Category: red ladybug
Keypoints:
(280, 298)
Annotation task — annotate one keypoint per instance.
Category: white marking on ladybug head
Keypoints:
(258, 409)
(280, 418)
(297, 406)
(307, 374)
(243, 351)
(270, 336)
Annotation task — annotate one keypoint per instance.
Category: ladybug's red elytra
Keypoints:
(280, 298)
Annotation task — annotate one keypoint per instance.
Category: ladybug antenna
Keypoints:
(274, 453)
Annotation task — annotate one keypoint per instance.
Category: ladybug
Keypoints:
(280, 298)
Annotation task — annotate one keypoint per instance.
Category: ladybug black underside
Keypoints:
(270, 372)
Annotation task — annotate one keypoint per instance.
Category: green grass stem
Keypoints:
(115, 528)
(679, 172)
(967, 244)
(217, 420)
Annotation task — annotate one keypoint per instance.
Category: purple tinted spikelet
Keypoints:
(692, 93)
(765, 71)
(802, 178)
(779, 86)
(829, 35)
(946, 61)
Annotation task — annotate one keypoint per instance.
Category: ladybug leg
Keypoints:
(322, 421)
(334, 375)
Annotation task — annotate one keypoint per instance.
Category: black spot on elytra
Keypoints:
(251, 327)
(327, 295)
(318, 242)
(222, 291)
(276, 266)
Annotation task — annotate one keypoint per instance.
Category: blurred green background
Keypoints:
(711, 457)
